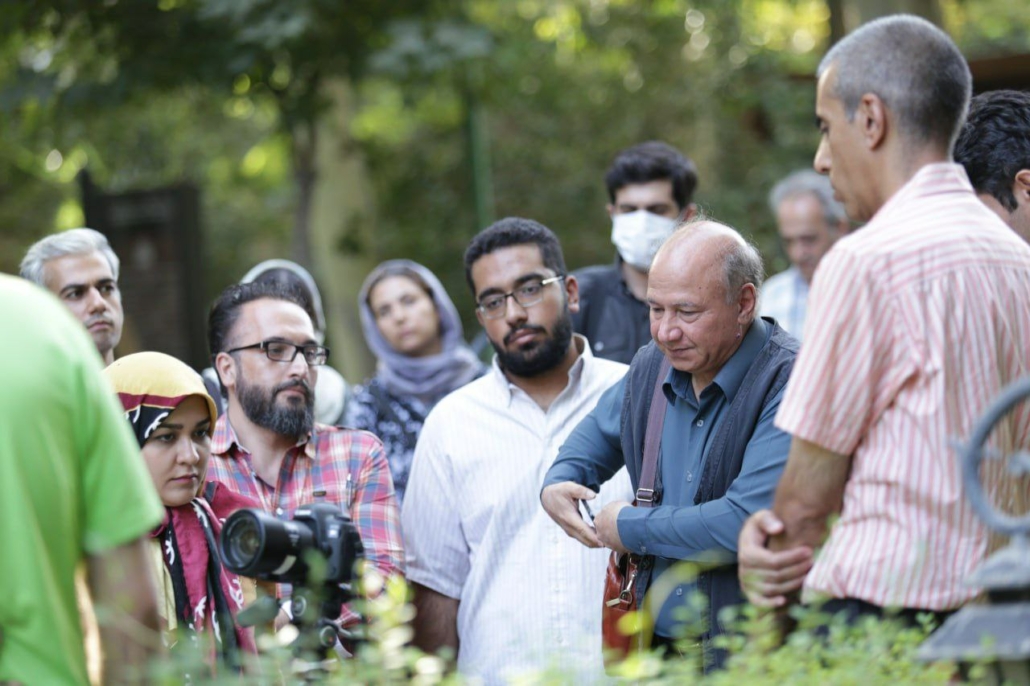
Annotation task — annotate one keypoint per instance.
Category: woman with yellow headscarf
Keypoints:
(172, 416)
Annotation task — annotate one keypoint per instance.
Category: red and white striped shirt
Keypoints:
(915, 324)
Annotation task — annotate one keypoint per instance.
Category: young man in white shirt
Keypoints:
(495, 579)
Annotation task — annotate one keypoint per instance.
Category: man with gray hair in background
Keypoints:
(917, 323)
(80, 268)
(810, 221)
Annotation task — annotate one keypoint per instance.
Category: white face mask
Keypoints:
(638, 235)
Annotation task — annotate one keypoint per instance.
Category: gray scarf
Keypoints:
(428, 378)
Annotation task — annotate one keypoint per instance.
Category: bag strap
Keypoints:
(653, 438)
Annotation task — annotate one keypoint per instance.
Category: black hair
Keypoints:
(292, 280)
(514, 231)
(226, 308)
(653, 161)
(994, 143)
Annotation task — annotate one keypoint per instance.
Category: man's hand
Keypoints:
(561, 501)
(767, 577)
(608, 528)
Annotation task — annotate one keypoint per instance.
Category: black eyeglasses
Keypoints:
(526, 295)
(281, 351)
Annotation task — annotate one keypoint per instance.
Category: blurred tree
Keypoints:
(400, 128)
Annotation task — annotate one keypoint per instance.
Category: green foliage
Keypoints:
(542, 93)
(870, 652)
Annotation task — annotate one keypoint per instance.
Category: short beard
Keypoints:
(542, 358)
(292, 421)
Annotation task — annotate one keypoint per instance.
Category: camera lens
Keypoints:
(244, 542)
(241, 541)
(256, 544)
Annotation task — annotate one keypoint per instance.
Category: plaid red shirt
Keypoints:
(339, 466)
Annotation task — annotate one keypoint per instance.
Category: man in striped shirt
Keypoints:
(917, 321)
(267, 445)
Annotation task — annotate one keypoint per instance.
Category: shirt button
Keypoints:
(679, 591)
(599, 346)
(690, 476)
(700, 422)
(278, 512)
(643, 549)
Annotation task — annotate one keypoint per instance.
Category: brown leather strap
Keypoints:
(653, 439)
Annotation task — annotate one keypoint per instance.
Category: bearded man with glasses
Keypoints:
(495, 580)
(267, 445)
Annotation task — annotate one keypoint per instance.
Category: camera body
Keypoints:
(256, 544)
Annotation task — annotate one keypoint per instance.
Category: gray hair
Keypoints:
(808, 182)
(743, 265)
(914, 67)
(71, 242)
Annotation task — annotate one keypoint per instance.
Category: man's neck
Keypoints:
(267, 448)
(906, 162)
(636, 280)
(544, 388)
(108, 357)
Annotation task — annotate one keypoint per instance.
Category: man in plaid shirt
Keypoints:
(267, 446)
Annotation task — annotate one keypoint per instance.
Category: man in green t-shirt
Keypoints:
(73, 490)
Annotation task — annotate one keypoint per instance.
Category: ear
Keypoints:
(572, 293)
(611, 210)
(690, 212)
(872, 115)
(225, 367)
(480, 318)
(1021, 187)
(747, 302)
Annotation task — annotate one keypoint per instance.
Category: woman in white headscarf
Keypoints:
(413, 329)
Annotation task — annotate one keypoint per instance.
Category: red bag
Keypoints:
(620, 598)
(621, 578)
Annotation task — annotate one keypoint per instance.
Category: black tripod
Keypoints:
(315, 613)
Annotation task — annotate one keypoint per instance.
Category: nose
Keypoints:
(513, 312)
(188, 453)
(664, 331)
(822, 160)
(299, 366)
(95, 301)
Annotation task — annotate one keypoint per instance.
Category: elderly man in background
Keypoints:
(809, 221)
(720, 455)
(80, 268)
(917, 322)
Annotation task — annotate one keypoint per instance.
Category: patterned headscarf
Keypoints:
(150, 386)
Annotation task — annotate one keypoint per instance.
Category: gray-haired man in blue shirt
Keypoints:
(720, 456)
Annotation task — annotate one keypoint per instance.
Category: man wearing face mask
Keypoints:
(650, 187)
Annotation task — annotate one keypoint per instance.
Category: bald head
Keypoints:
(712, 248)
(702, 292)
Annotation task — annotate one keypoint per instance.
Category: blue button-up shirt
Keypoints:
(678, 529)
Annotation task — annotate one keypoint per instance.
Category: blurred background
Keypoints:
(204, 136)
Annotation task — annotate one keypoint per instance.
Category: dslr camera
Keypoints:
(256, 544)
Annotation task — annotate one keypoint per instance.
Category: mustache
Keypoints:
(522, 329)
(99, 319)
(295, 383)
